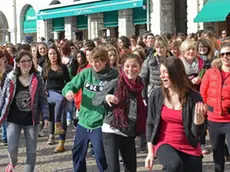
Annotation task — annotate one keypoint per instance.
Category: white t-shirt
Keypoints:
(106, 128)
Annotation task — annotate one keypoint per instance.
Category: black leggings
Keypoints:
(219, 133)
(176, 161)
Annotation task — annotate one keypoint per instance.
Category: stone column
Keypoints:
(13, 38)
(125, 23)
(69, 27)
(74, 27)
(161, 16)
(7, 38)
(41, 29)
(48, 29)
(200, 6)
(55, 35)
(2, 37)
(192, 11)
(95, 24)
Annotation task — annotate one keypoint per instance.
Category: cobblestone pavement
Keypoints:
(48, 161)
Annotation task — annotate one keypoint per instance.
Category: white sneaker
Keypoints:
(69, 122)
(204, 149)
(41, 134)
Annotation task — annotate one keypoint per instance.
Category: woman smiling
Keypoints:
(22, 101)
(215, 89)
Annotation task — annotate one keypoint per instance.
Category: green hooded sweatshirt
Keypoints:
(90, 116)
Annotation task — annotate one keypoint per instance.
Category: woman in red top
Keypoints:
(215, 90)
(175, 121)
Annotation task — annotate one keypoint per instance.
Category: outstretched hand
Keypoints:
(69, 96)
(111, 99)
(200, 110)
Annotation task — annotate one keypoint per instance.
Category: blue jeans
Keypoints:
(70, 110)
(4, 135)
(143, 141)
(13, 137)
(60, 103)
(51, 121)
(79, 150)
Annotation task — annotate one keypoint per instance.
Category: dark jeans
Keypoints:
(52, 122)
(177, 161)
(112, 144)
(202, 138)
(79, 150)
(218, 132)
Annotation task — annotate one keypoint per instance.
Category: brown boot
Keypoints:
(58, 129)
(60, 147)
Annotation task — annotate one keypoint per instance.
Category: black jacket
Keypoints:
(156, 101)
(99, 99)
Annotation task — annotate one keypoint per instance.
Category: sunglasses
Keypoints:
(223, 54)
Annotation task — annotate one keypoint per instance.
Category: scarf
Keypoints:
(106, 74)
(191, 68)
(121, 110)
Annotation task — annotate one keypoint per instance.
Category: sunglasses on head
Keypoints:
(223, 54)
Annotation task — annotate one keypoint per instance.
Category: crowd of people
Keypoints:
(167, 90)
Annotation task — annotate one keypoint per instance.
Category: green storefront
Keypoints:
(30, 24)
(140, 19)
(217, 11)
(214, 11)
(111, 23)
(109, 8)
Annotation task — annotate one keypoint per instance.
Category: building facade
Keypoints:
(81, 19)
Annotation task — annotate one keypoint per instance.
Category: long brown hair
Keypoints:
(177, 75)
(47, 65)
(112, 48)
(206, 43)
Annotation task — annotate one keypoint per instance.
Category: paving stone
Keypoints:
(48, 161)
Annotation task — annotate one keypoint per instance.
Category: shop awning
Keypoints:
(58, 24)
(82, 22)
(214, 11)
(30, 22)
(84, 9)
(139, 16)
(111, 19)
